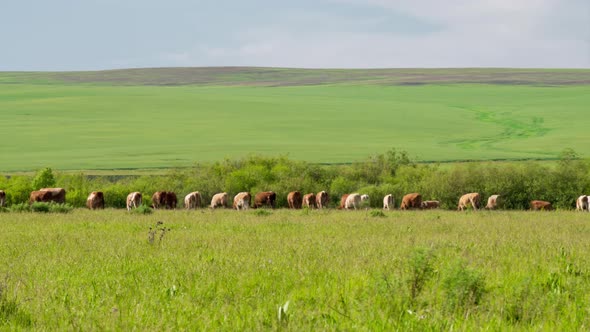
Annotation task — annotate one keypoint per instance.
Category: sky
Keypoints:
(66, 35)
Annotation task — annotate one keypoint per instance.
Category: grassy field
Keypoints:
(224, 270)
(121, 120)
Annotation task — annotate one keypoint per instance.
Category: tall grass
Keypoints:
(337, 270)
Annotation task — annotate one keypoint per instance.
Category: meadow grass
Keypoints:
(105, 127)
(337, 270)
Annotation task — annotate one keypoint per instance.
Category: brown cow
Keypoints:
(473, 199)
(193, 200)
(95, 200)
(295, 200)
(2, 198)
(343, 201)
(265, 198)
(39, 196)
(134, 200)
(411, 201)
(541, 206)
(493, 202)
(171, 200)
(321, 200)
(164, 199)
(219, 200)
(309, 201)
(430, 205)
(242, 201)
(58, 195)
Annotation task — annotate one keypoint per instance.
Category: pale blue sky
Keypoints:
(106, 34)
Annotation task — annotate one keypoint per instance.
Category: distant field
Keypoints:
(230, 271)
(175, 117)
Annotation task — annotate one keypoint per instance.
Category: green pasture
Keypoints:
(361, 271)
(51, 121)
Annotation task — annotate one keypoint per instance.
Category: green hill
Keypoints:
(166, 117)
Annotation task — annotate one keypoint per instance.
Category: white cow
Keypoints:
(353, 201)
(493, 202)
(388, 202)
(133, 200)
(242, 201)
(193, 200)
(582, 203)
(219, 200)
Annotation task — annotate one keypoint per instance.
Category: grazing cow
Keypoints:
(242, 201)
(321, 200)
(411, 201)
(134, 200)
(95, 200)
(342, 201)
(388, 202)
(430, 205)
(493, 202)
(2, 198)
(582, 203)
(295, 200)
(309, 201)
(473, 199)
(171, 201)
(353, 201)
(541, 206)
(164, 199)
(39, 196)
(219, 200)
(58, 195)
(265, 198)
(193, 200)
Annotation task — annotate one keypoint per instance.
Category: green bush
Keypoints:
(20, 207)
(60, 208)
(464, 288)
(40, 207)
(143, 209)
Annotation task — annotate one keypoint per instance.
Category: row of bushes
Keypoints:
(391, 173)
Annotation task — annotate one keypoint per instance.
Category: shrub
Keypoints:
(377, 213)
(40, 207)
(44, 179)
(420, 270)
(60, 208)
(143, 209)
(21, 207)
(464, 287)
(262, 212)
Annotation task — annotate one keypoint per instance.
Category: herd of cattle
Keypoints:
(295, 200)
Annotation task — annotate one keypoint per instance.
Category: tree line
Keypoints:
(392, 172)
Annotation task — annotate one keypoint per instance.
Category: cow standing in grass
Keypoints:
(427, 205)
(582, 203)
(411, 201)
(321, 200)
(294, 200)
(388, 202)
(265, 199)
(353, 202)
(309, 201)
(242, 201)
(473, 199)
(95, 200)
(2, 198)
(493, 202)
(537, 205)
(219, 200)
(57, 195)
(134, 200)
(193, 200)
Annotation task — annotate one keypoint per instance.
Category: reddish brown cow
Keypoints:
(295, 200)
(343, 201)
(39, 196)
(321, 200)
(2, 198)
(430, 204)
(95, 200)
(265, 198)
(541, 206)
(411, 201)
(164, 199)
(309, 201)
(57, 195)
